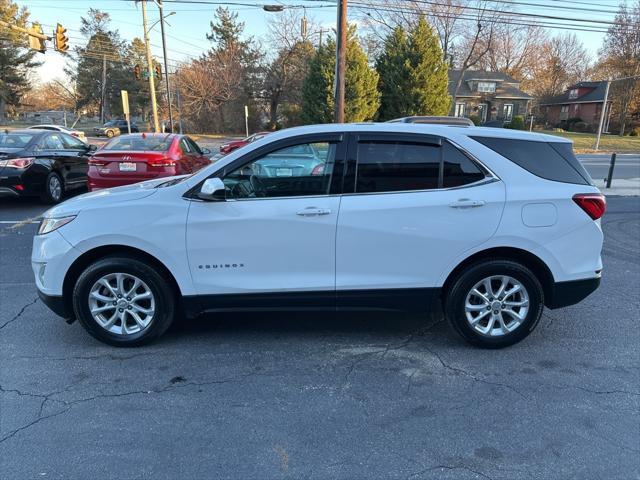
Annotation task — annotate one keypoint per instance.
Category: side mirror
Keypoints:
(212, 190)
(205, 151)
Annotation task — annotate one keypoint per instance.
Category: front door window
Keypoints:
(299, 170)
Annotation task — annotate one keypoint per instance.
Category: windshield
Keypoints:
(140, 144)
(15, 140)
(110, 123)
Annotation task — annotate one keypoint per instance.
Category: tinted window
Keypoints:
(185, 146)
(194, 146)
(458, 168)
(289, 172)
(539, 158)
(396, 166)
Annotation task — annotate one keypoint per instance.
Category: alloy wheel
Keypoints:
(55, 188)
(121, 303)
(497, 305)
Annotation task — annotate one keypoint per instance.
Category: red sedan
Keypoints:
(231, 146)
(143, 156)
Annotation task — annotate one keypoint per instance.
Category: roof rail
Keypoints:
(434, 120)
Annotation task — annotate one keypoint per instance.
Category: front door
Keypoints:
(507, 112)
(482, 111)
(417, 205)
(276, 230)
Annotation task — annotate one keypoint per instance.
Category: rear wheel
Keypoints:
(123, 301)
(53, 188)
(494, 303)
(110, 133)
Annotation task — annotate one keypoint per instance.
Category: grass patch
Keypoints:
(584, 142)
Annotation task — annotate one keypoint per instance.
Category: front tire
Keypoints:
(110, 133)
(53, 189)
(494, 303)
(124, 302)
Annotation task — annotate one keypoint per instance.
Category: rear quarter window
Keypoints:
(549, 160)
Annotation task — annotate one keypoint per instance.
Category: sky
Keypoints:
(188, 26)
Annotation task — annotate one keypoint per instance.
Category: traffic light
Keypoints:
(136, 72)
(159, 71)
(62, 41)
(36, 43)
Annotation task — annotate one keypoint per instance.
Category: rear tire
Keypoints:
(494, 303)
(110, 133)
(53, 189)
(132, 302)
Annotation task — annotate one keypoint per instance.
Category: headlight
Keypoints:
(50, 224)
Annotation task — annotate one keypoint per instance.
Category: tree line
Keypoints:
(397, 64)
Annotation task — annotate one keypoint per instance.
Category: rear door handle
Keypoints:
(467, 203)
(313, 211)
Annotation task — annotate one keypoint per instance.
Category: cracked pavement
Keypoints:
(270, 396)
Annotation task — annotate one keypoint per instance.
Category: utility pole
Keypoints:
(104, 87)
(602, 113)
(152, 86)
(166, 66)
(341, 60)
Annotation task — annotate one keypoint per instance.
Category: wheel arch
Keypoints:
(534, 263)
(90, 256)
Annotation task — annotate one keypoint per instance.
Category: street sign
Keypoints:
(125, 107)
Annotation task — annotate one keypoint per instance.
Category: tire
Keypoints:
(53, 189)
(517, 315)
(109, 133)
(162, 303)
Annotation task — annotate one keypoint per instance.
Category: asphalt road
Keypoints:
(270, 396)
(627, 165)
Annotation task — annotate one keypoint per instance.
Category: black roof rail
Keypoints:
(460, 121)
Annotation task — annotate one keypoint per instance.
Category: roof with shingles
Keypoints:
(506, 86)
(595, 95)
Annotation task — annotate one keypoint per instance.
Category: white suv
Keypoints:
(489, 224)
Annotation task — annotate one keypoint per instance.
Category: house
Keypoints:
(580, 101)
(490, 96)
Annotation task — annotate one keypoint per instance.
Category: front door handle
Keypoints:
(467, 203)
(313, 211)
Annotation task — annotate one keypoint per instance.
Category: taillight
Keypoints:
(593, 204)
(17, 162)
(97, 162)
(161, 162)
(318, 169)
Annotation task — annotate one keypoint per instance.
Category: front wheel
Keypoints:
(494, 303)
(110, 133)
(124, 302)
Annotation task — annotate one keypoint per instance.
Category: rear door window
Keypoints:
(396, 166)
(550, 160)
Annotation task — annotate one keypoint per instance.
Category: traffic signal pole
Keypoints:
(152, 86)
(341, 60)
(166, 66)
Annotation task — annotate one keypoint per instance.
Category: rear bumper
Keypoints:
(8, 192)
(564, 294)
(56, 304)
(97, 182)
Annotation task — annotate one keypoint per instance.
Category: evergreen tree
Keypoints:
(393, 71)
(15, 59)
(361, 95)
(413, 74)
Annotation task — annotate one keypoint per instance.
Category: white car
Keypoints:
(79, 134)
(490, 224)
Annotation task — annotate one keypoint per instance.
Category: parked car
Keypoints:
(235, 144)
(115, 127)
(79, 134)
(133, 158)
(490, 225)
(42, 163)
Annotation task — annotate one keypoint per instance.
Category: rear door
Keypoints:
(200, 160)
(416, 203)
(52, 148)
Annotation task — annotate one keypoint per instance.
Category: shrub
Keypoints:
(635, 132)
(517, 123)
(581, 127)
(475, 119)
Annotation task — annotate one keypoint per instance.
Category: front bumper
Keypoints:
(56, 304)
(564, 294)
